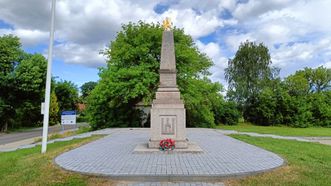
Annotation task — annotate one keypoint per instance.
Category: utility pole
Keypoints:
(48, 81)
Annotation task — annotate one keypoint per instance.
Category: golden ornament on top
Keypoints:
(167, 24)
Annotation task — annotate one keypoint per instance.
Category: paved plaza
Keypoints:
(223, 157)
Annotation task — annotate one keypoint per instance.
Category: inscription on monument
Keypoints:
(168, 80)
(168, 124)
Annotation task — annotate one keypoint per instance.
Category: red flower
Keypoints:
(167, 144)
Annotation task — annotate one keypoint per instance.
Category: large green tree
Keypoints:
(22, 81)
(131, 76)
(310, 97)
(86, 88)
(10, 53)
(319, 79)
(29, 89)
(296, 101)
(67, 95)
(248, 73)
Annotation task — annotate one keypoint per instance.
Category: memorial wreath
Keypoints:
(167, 144)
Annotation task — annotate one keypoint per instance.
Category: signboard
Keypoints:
(68, 117)
(42, 108)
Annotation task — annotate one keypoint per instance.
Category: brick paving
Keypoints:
(113, 156)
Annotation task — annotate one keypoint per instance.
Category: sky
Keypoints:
(297, 32)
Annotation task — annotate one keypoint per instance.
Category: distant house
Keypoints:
(81, 107)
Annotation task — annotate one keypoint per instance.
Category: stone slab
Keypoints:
(192, 148)
(223, 157)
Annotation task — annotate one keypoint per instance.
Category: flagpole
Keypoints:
(48, 82)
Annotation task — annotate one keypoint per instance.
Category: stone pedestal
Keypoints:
(168, 113)
(168, 121)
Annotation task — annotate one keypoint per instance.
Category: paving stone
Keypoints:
(223, 156)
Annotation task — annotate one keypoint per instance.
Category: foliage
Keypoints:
(54, 109)
(22, 84)
(132, 76)
(227, 113)
(10, 53)
(321, 108)
(22, 81)
(67, 95)
(319, 79)
(248, 72)
(202, 102)
(309, 93)
(300, 100)
(30, 82)
(87, 87)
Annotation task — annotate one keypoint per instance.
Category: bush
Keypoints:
(229, 113)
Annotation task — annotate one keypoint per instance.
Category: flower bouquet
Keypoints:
(167, 144)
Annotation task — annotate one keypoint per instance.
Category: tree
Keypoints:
(10, 53)
(297, 84)
(248, 73)
(29, 81)
(319, 79)
(228, 113)
(54, 109)
(67, 95)
(87, 87)
(132, 76)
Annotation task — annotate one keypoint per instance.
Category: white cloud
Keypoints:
(253, 8)
(296, 32)
(228, 4)
(89, 25)
(327, 64)
(27, 37)
(214, 52)
(194, 24)
(300, 52)
(28, 14)
(80, 54)
(301, 29)
(233, 41)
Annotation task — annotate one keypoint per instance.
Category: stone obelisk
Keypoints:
(168, 112)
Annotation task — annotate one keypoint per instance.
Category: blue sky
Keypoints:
(297, 32)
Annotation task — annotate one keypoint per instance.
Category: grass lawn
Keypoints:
(307, 163)
(30, 167)
(64, 134)
(278, 130)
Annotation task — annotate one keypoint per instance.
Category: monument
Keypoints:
(168, 112)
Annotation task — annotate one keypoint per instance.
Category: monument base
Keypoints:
(144, 148)
(180, 144)
(168, 121)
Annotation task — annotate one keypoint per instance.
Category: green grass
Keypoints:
(66, 134)
(307, 163)
(30, 167)
(278, 130)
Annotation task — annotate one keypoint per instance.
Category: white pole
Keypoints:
(48, 81)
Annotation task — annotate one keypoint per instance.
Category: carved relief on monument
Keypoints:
(168, 124)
